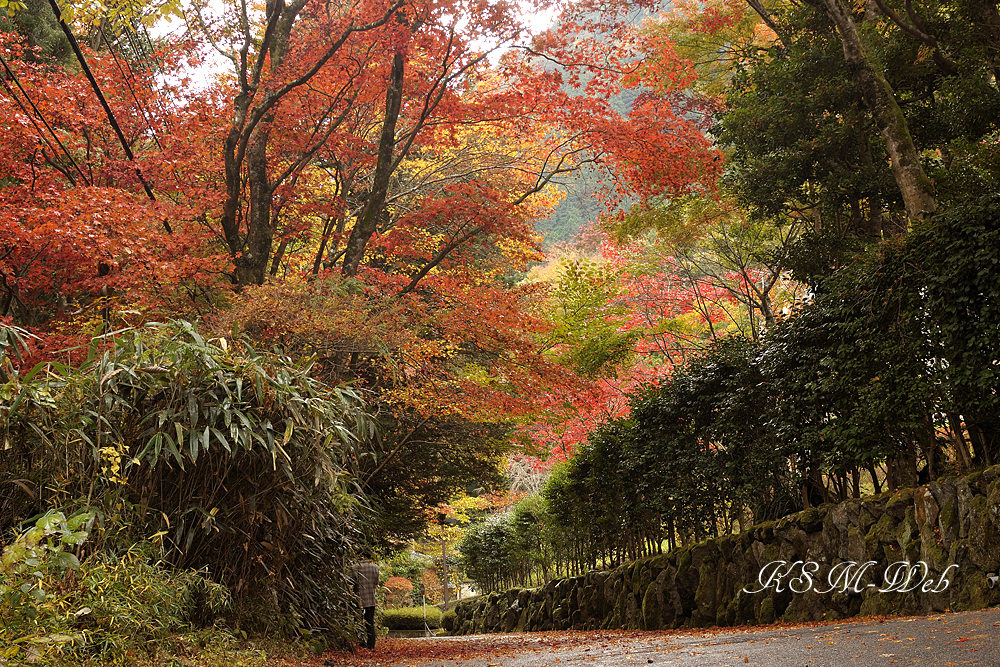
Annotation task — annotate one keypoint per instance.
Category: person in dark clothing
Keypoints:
(365, 583)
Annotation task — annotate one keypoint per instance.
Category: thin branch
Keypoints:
(392, 454)
(943, 62)
(104, 103)
(40, 117)
(273, 97)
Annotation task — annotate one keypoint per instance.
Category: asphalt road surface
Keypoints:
(961, 639)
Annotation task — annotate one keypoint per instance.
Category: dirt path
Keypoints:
(964, 639)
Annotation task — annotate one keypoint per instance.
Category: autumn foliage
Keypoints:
(77, 225)
(355, 190)
(399, 592)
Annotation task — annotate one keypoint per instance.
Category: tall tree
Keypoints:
(915, 186)
(305, 77)
(265, 76)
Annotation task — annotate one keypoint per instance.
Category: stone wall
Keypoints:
(950, 522)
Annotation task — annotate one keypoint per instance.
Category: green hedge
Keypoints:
(411, 618)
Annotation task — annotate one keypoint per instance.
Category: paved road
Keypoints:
(962, 639)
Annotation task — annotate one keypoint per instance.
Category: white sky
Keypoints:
(215, 63)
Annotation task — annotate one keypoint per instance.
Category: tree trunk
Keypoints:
(916, 188)
(367, 222)
(251, 265)
(978, 438)
(958, 440)
(815, 490)
(927, 437)
(903, 469)
(874, 474)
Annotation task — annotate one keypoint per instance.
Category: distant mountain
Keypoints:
(580, 207)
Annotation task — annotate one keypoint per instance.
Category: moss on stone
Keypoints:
(721, 618)
(766, 612)
(765, 531)
(725, 545)
(809, 520)
(974, 593)
(984, 538)
(704, 596)
(932, 549)
(651, 609)
(898, 502)
(770, 554)
(948, 520)
(907, 530)
(662, 561)
(742, 607)
(642, 580)
(975, 477)
(558, 614)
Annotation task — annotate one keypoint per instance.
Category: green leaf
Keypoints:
(172, 446)
(64, 559)
(193, 410)
(194, 440)
(222, 439)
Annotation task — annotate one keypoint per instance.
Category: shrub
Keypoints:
(57, 610)
(411, 618)
(399, 593)
(236, 461)
(31, 571)
(405, 564)
(448, 620)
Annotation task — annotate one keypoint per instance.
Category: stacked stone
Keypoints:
(952, 522)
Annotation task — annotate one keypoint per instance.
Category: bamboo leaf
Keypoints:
(173, 446)
(222, 440)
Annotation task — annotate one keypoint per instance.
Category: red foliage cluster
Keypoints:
(77, 229)
(269, 171)
(673, 315)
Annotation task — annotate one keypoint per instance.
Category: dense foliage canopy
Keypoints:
(787, 299)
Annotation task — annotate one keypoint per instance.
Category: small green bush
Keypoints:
(411, 618)
(448, 620)
(59, 611)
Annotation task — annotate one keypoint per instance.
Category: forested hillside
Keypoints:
(580, 206)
